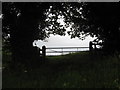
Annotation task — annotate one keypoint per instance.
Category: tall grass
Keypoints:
(78, 70)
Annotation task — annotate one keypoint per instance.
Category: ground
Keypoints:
(78, 70)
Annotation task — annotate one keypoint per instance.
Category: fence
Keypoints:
(63, 50)
(55, 49)
(60, 50)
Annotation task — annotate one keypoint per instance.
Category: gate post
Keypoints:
(90, 46)
(43, 52)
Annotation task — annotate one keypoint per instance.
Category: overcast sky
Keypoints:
(64, 41)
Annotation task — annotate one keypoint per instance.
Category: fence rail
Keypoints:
(64, 50)
(61, 49)
(65, 47)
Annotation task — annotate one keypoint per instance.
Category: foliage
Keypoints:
(78, 70)
(101, 20)
(104, 21)
(25, 22)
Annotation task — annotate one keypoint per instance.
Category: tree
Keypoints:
(20, 28)
(101, 20)
(25, 22)
(105, 19)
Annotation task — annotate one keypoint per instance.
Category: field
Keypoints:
(78, 70)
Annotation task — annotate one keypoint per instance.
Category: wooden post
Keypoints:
(95, 46)
(43, 52)
(90, 46)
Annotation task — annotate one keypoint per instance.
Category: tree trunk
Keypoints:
(22, 39)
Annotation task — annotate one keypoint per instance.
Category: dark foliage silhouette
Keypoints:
(21, 20)
(25, 22)
(106, 20)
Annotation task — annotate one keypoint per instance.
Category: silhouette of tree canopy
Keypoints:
(101, 20)
(25, 22)
(20, 28)
(104, 20)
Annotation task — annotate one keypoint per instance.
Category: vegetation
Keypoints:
(25, 22)
(77, 70)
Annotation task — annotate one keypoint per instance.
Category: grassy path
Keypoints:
(78, 70)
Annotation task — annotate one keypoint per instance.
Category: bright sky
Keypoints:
(64, 41)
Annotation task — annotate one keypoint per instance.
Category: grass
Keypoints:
(77, 70)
